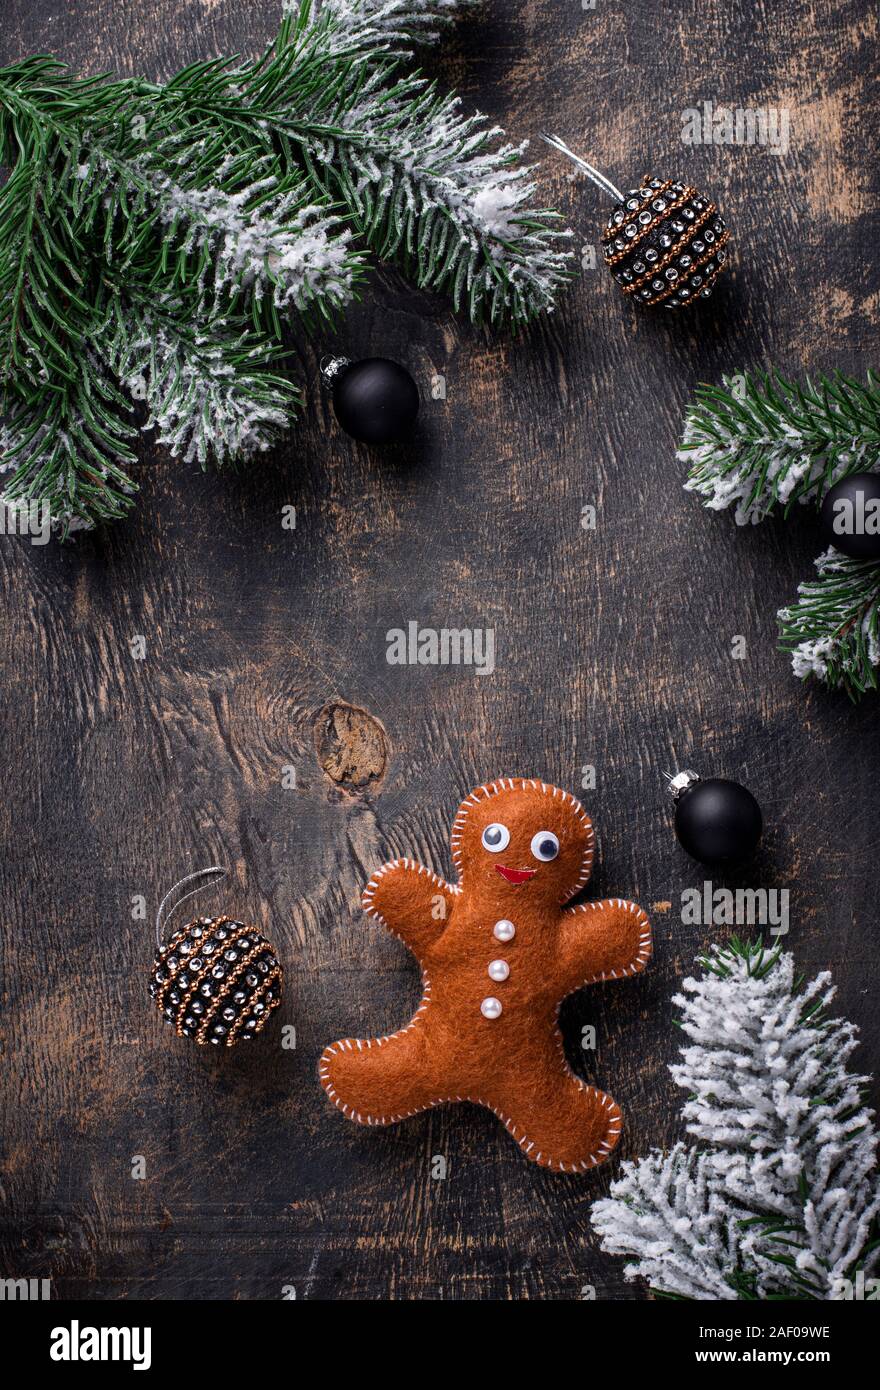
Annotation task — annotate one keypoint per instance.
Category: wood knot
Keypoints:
(352, 746)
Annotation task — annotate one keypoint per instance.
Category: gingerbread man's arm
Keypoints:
(411, 901)
(603, 941)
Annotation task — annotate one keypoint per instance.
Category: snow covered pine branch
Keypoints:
(155, 240)
(426, 186)
(780, 1196)
(833, 631)
(759, 442)
(390, 26)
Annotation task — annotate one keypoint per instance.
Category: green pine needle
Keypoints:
(833, 631)
(156, 239)
(760, 442)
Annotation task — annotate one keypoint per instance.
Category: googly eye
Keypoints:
(496, 837)
(545, 845)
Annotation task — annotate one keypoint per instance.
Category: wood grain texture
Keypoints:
(613, 649)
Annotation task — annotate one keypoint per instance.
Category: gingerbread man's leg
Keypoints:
(376, 1081)
(563, 1123)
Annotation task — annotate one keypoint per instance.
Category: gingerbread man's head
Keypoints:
(522, 839)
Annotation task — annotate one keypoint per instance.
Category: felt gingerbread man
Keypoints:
(499, 952)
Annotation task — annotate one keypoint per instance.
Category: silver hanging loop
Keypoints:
(598, 179)
(162, 921)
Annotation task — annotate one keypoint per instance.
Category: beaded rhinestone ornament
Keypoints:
(664, 243)
(217, 980)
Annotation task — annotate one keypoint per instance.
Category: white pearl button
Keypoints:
(498, 970)
(504, 930)
(490, 1008)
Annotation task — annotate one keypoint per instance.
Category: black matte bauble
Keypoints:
(850, 518)
(718, 821)
(376, 400)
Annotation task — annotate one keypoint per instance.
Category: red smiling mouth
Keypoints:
(515, 875)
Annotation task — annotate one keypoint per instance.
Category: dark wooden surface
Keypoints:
(613, 649)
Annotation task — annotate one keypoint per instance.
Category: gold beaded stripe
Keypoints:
(706, 285)
(229, 983)
(708, 280)
(276, 973)
(657, 218)
(210, 924)
(677, 285)
(632, 215)
(680, 247)
(168, 949)
(244, 930)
